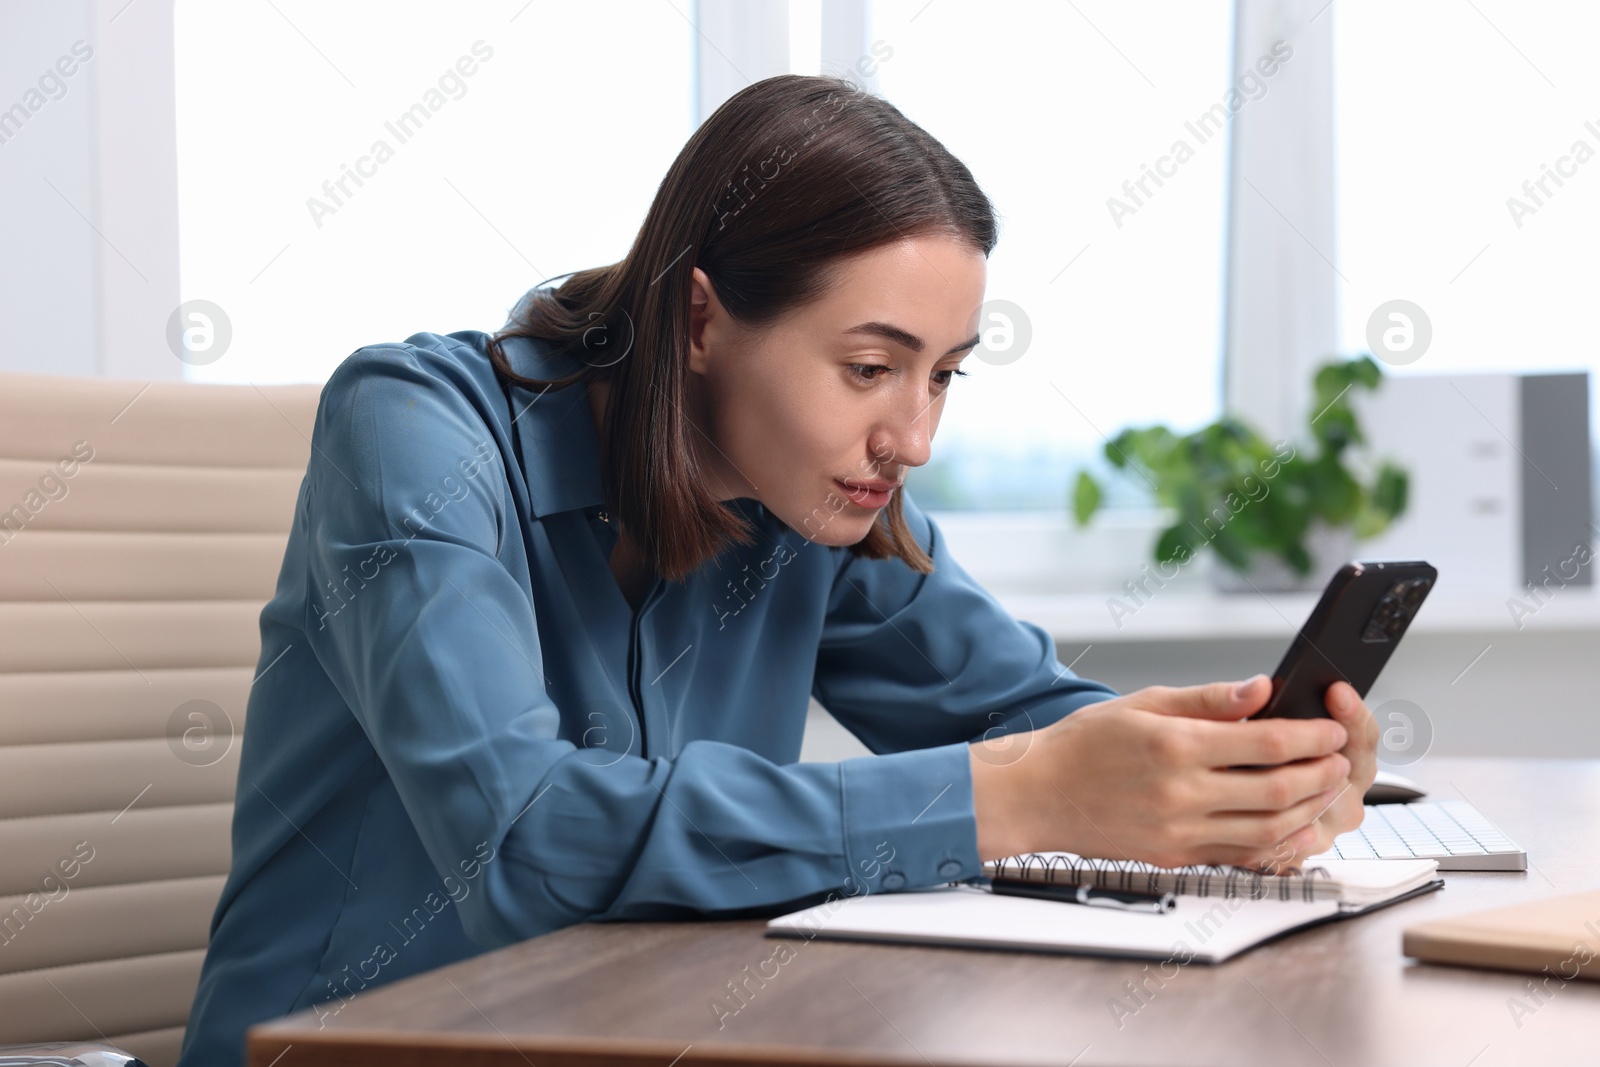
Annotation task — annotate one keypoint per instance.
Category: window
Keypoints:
(1055, 108)
(355, 173)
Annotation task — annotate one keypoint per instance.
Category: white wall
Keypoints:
(88, 179)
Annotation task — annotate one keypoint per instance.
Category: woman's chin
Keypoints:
(843, 532)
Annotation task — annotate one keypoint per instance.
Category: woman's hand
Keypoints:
(1148, 776)
(1348, 808)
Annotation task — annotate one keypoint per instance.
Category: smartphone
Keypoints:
(1352, 632)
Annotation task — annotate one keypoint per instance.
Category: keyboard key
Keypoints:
(1452, 832)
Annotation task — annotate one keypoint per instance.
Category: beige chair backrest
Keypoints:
(142, 527)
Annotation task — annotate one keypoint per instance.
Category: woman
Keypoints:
(554, 602)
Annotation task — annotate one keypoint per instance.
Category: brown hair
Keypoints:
(788, 175)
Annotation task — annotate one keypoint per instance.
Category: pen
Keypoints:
(1158, 903)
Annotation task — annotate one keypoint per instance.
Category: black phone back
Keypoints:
(1350, 635)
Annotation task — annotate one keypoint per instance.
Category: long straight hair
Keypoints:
(786, 177)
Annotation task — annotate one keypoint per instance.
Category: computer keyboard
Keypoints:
(1450, 831)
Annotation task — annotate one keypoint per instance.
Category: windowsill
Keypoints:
(1045, 569)
(1207, 615)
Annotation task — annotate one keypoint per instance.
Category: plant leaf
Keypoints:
(1392, 490)
(1297, 557)
(1253, 524)
(1176, 544)
(1335, 494)
(1365, 371)
(1230, 550)
(1085, 498)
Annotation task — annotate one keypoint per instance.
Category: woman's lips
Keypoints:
(864, 497)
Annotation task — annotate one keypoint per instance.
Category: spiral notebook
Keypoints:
(1351, 882)
(1221, 911)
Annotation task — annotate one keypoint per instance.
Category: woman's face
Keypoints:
(843, 395)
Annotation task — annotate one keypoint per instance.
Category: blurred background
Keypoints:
(1202, 202)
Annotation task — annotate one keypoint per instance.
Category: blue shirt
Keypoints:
(462, 735)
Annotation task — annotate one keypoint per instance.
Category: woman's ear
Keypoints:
(703, 311)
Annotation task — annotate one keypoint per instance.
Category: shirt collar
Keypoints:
(555, 430)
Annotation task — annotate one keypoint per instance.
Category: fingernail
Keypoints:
(1238, 690)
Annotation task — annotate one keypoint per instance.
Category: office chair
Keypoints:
(142, 527)
(66, 1054)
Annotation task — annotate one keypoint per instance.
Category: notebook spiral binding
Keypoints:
(1140, 877)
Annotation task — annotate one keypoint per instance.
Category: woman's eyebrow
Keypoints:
(906, 338)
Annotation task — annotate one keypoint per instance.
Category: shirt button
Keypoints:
(949, 868)
(894, 880)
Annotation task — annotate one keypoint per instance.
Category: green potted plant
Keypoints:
(1258, 504)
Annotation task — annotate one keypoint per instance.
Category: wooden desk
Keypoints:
(1341, 994)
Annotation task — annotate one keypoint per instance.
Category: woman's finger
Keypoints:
(1275, 788)
(1350, 711)
(1255, 742)
(1262, 831)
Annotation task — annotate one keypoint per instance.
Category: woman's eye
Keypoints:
(867, 372)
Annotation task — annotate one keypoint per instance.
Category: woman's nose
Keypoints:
(908, 440)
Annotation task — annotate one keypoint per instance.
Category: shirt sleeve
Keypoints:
(910, 659)
(435, 648)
